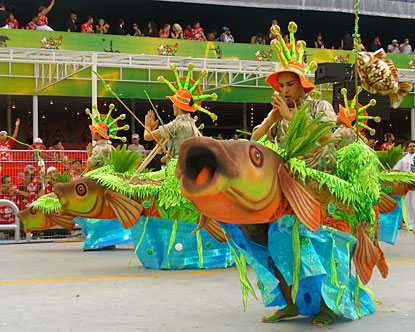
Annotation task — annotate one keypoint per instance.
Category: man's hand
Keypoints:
(280, 107)
(17, 124)
(89, 149)
(150, 120)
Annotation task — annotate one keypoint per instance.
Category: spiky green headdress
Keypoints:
(347, 113)
(187, 94)
(105, 124)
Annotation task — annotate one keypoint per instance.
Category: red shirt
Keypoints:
(186, 35)
(385, 146)
(7, 215)
(197, 35)
(86, 28)
(5, 155)
(30, 26)
(13, 24)
(41, 21)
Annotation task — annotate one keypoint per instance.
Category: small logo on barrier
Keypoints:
(51, 43)
(263, 55)
(168, 50)
(341, 59)
(3, 41)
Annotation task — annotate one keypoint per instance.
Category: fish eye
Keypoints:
(256, 156)
(80, 189)
(32, 211)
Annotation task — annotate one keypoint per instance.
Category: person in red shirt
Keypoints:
(30, 185)
(51, 179)
(6, 144)
(42, 20)
(87, 27)
(32, 24)
(37, 145)
(187, 35)
(197, 32)
(11, 193)
(389, 139)
(12, 22)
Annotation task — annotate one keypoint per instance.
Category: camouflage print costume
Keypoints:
(325, 158)
(102, 148)
(181, 128)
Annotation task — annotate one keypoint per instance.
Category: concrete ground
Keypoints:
(57, 287)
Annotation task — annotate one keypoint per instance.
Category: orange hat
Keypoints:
(101, 128)
(291, 57)
(187, 94)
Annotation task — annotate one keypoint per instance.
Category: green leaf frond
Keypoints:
(47, 204)
(391, 156)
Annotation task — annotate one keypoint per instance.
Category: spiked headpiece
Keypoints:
(187, 94)
(105, 124)
(347, 113)
(291, 57)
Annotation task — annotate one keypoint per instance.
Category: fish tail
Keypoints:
(366, 255)
(403, 89)
(381, 263)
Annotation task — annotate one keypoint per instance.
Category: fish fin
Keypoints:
(305, 207)
(212, 227)
(380, 54)
(63, 221)
(366, 255)
(381, 263)
(392, 68)
(386, 203)
(404, 89)
(126, 209)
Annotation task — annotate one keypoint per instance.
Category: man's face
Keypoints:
(53, 175)
(394, 43)
(96, 136)
(176, 110)
(377, 39)
(7, 182)
(406, 41)
(76, 166)
(3, 138)
(274, 22)
(91, 20)
(58, 146)
(411, 148)
(291, 88)
(136, 140)
(74, 17)
(37, 145)
(31, 172)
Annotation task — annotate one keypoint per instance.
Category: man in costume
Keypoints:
(292, 84)
(102, 129)
(187, 99)
(407, 164)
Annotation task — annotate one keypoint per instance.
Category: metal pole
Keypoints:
(244, 122)
(413, 123)
(9, 115)
(94, 82)
(132, 118)
(35, 116)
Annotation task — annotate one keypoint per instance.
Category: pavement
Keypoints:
(57, 287)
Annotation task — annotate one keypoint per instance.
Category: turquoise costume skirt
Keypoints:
(389, 223)
(100, 233)
(324, 268)
(170, 244)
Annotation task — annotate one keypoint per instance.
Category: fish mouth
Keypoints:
(204, 166)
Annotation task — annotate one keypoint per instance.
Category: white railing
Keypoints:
(16, 225)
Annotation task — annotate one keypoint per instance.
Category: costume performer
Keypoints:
(309, 270)
(149, 205)
(187, 99)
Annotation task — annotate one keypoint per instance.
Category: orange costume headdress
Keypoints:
(187, 94)
(291, 57)
(105, 124)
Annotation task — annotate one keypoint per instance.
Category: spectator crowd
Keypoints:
(175, 31)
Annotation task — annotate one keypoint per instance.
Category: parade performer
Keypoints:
(148, 204)
(187, 99)
(335, 216)
(102, 129)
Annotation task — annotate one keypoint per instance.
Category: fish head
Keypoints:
(365, 60)
(34, 220)
(81, 197)
(232, 181)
